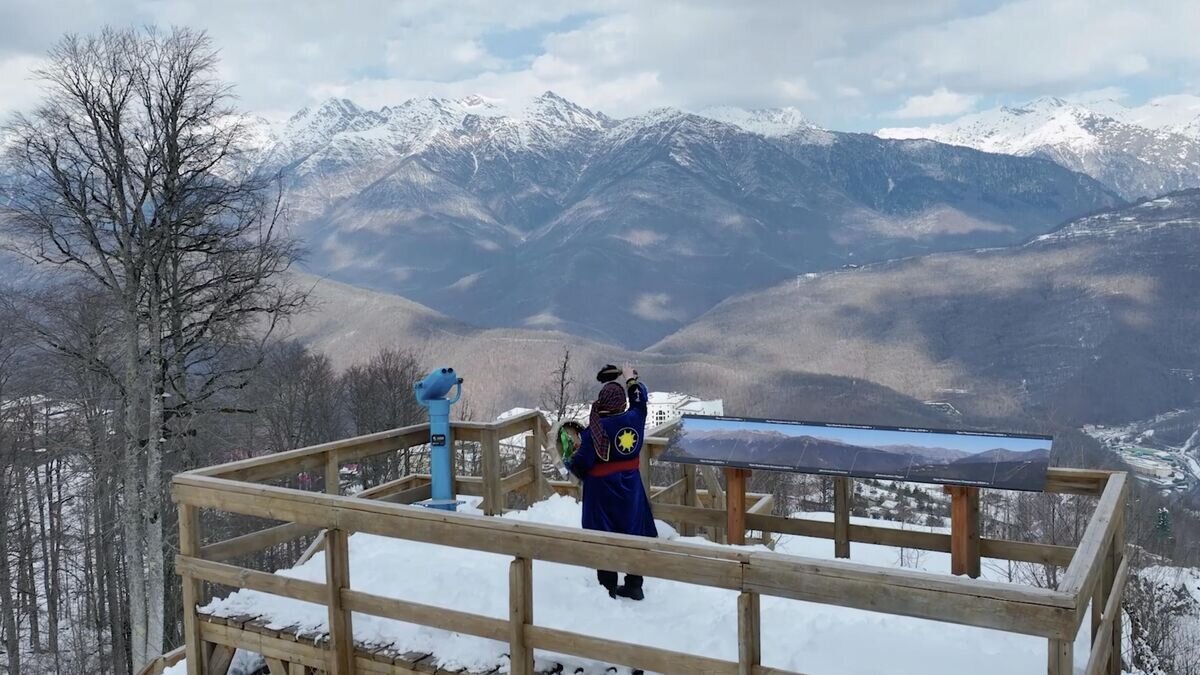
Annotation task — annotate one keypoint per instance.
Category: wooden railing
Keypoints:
(1095, 570)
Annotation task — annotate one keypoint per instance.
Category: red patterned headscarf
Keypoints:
(612, 400)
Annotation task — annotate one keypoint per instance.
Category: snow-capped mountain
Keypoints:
(509, 217)
(1139, 152)
(512, 216)
(762, 121)
(1179, 113)
(339, 130)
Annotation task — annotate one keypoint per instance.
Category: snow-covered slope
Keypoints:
(1139, 152)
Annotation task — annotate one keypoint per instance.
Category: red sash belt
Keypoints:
(606, 468)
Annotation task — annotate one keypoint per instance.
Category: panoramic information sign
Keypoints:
(972, 458)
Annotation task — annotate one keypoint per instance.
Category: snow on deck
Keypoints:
(799, 636)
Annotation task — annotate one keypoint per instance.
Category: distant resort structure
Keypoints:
(663, 406)
(1165, 466)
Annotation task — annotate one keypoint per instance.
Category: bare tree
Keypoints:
(298, 398)
(128, 175)
(379, 397)
(560, 391)
(8, 459)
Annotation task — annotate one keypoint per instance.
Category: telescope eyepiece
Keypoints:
(437, 384)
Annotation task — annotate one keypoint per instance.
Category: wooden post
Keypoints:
(688, 498)
(333, 476)
(1100, 596)
(493, 497)
(533, 460)
(713, 483)
(337, 578)
(520, 615)
(1116, 554)
(749, 633)
(735, 505)
(189, 545)
(1061, 661)
(964, 530)
(541, 431)
(219, 659)
(841, 517)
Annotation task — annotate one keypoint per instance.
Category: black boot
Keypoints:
(632, 588)
(631, 592)
(608, 580)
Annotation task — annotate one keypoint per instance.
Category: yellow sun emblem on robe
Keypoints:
(626, 440)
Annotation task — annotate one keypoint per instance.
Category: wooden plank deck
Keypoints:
(253, 632)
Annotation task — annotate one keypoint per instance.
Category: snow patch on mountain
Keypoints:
(1176, 209)
(1176, 112)
(770, 122)
(1140, 152)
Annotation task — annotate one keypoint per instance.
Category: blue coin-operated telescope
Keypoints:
(433, 393)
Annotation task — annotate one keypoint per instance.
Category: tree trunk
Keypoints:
(28, 583)
(132, 490)
(45, 495)
(152, 497)
(113, 578)
(8, 609)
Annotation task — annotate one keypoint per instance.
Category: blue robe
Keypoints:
(616, 502)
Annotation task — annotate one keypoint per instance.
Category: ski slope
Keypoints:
(799, 636)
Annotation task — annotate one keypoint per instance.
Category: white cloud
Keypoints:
(18, 88)
(1097, 95)
(841, 62)
(1035, 47)
(796, 89)
(940, 103)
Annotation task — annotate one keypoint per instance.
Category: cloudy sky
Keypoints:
(854, 64)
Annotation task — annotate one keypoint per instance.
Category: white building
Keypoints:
(666, 406)
(1149, 467)
(662, 407)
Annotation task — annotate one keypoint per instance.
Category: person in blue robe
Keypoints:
(606, 462)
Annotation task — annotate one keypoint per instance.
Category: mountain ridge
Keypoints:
(1071, 325)
(1141, 152)
(507, 220)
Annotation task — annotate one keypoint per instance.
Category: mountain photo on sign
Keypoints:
(980, 459)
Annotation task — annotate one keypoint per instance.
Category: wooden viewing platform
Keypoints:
(1094, 577)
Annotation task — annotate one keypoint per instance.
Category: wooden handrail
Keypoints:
(1013, 608)
(161, 663)
(1102, 643)
(1084, 569)
(692, 563)
(1054, 614)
